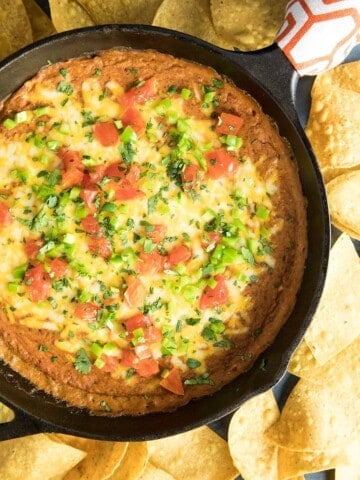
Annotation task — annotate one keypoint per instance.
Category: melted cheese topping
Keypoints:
(222, 220)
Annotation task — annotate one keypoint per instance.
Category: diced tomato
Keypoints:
(211, 238)
(220, 163)
(5, 215)
(135, 293)
(89, 195)
(100, 246)
(87, 310)
(147, 367)
(110, 361)
(71, 177)
(190, 173)
(37, 281)
(150, 263)
(229, 124)
(137, 321)
(158, 233)
(133, 117)
(142, 351)
(133, 175)
(179, 254)
(70, 159)
(115, 170)
(126, 191)
(213, 297)
(128, 358)
(173, 382)
(97, 173)
(106, 133)
(32, 247)
(59, 268)
(90, 225)
(152, 334)
(140, 95)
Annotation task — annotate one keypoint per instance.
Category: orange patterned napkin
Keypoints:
(318, 34)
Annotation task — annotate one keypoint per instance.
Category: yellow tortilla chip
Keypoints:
(352, 470)
(153, 473)
(101, 460)
(199, 453)
(343, 195)
(133, 463)
(41, 24)
(36, 457)
(248, 25)
(317, 418)
(6, 414)
(192, 17)
(121, 11)
(251, 452)
(15, 27)
(68, 15)
(333, 127)
(336, 322)
(302, 362)
(345, 76)
(291, 463)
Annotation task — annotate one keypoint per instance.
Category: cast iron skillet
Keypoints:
(270, 79)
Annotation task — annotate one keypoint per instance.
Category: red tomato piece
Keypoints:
(89, 195)
(135, 293)
(133, 174)
(147, 367)
(37, 281)
(100, 246)
(211, 238)
(115, 170)
(59, 268)
(70, 159)
(220, 163)
(125, 191)
(140, 95)
(128, 358)
(137, 321)
(179, 254)
(5, 215)
(90, 224)
(111, 363)
(173, 382)
(143, 351)
(190, 173)
(97, 173)
(133, 117)
(87, 311)
(32, 247)
(153, 334)
(213, 297)
(229, 124)
(106, 133)
(72, 177)
(158, 233)
(150, 263)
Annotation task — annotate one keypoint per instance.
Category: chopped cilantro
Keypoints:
(82, 362)
(202, 379)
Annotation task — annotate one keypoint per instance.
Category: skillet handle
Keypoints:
(273, 70)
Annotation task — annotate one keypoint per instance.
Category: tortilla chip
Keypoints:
(101, 461)
(317, 418)
(248, 25)
(199, 453)
(336, 322)
(41, 25)
(252, 454)
(35, 457)
(345, 76)
(333, 127)
(291, 463)
(352, 470)
(302, 362)
(133, 463)
(68, 15)
(121, 11)
(6, 414)
(343, 195)
(192, 17)
(15, 27)
(153, 473)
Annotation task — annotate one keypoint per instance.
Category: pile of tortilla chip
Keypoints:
(334, 132)
(244, 25)
(319, 427)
